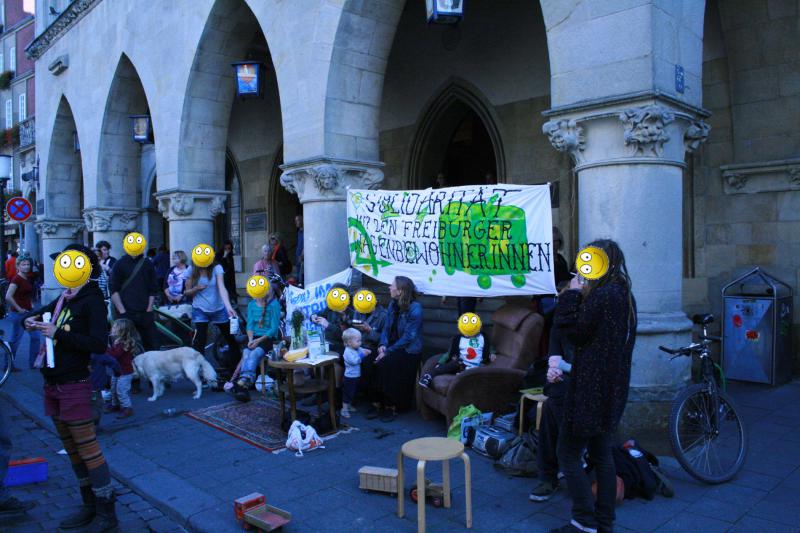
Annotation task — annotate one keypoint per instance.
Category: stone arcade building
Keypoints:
(609, 100)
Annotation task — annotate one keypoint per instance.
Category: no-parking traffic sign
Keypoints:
(19, 209)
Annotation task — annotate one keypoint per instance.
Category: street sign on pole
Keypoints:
(19, 209)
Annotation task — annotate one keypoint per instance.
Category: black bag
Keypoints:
(520, 458)
(633, 466)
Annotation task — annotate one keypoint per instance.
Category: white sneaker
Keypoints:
(345, 413)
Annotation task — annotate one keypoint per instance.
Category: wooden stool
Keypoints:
(432, 449)
(539, 399)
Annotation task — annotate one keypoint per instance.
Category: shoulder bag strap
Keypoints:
(133, 274)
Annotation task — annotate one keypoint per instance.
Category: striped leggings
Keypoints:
(88, 463)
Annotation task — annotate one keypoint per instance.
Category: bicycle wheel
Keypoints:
(711, 456)
(6, 363)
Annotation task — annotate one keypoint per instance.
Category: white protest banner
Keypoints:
(477, 240)
(311, 299)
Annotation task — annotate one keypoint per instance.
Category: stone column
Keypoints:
(191, 216)
(320, 184)
(55, 235)
(31, 244)
(629, 157)
(111, 224)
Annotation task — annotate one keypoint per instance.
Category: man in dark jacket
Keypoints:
(133, 287)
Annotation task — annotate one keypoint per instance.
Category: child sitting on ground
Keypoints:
(123, 332)
(468, 350)
(353, 355)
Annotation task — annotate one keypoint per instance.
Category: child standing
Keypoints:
(101, 363)
(468, 350)
(123, 332)
(353, 355)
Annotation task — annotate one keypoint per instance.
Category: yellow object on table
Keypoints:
(432, 449)
(539, 399)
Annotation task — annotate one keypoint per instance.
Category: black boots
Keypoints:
(105, 519)
(83, 515)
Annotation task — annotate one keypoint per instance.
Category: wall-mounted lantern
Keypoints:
(249, 79)
(142, 129)
(445, 11)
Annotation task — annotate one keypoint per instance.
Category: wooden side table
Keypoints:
(432, 449)
(539, 399)
(313, 386)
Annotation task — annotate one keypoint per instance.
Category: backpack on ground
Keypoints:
(520, 458)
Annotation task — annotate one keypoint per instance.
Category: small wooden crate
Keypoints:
(378, 479)
(267, 518)
(245, 503)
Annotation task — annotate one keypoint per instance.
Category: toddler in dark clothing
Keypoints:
(101, 363)
(468, 350)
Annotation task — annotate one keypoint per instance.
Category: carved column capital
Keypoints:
(325, 179)
(60, 228)
(185, 204)
(645, 128)
(566, 136)
(111, 219)
(696, 134)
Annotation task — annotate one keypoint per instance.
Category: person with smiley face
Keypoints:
(133, 287)
(78, 328)
(205, 284)
(468, 350)
(263, 326)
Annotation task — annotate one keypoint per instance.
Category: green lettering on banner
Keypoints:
(359, 244)
(484, 240)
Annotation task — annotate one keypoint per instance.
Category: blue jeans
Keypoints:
(14, 338)
(250, 362)
(5, 446)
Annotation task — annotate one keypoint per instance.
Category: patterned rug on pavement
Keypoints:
(257, 422)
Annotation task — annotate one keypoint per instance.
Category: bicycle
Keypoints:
(707, 433)
(6, 359)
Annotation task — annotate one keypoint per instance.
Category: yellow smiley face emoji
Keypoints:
(134, 244)
(202, 255)
(257, 286)
(469, 324)
(364, 301)
(592, 262)
(337, 300)
(72, 269)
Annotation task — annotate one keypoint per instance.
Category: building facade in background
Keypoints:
(17, 113)
(612, 102)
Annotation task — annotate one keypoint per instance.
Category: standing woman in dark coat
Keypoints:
(78, 329)
(400, 349)
(599, 316)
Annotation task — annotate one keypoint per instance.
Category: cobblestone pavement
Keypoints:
(192, 473)
(58, 496)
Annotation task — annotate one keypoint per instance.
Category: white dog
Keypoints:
(172, 364)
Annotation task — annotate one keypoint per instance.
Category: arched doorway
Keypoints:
(282, 207)
(457, 143)
(229, 224)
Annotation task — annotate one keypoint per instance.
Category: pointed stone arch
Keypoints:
(119, 157)
(64, 177)
(228, 33)
(456, 92)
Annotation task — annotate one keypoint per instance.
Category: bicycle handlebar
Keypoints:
(711, 338)
(670, 350)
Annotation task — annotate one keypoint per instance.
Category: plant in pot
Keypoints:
(298, 333)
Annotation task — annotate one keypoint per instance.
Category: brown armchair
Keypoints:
(516, 333)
